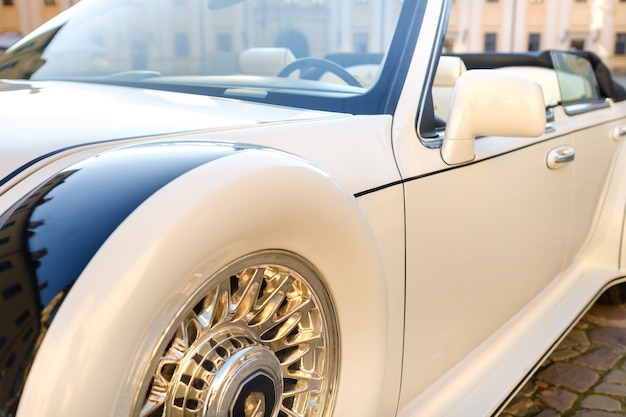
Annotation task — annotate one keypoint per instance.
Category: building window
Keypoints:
(492, 1)
(49, 2)
(361, 39)
(491, 40)
(577, 44)
(181, 44)
(620, 43)
(5, 266)
(139, 53)
(224, 42)
(7, 2)
(534, 41)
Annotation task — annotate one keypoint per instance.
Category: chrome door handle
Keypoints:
(619, 132)
(557, 157)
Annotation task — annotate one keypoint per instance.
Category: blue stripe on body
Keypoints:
(47, 239)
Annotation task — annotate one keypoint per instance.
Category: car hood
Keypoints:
(41, 118)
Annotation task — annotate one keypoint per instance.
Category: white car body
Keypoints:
(452, 278)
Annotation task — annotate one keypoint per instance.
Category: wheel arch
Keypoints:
(244, 203)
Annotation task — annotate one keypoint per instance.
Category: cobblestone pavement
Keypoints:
(585, 376)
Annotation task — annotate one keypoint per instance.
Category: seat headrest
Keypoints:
(545, 77)
(264, 61)
(449, 69)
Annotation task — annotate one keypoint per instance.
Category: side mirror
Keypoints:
(491, 103)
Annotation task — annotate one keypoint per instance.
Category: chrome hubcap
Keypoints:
(260, 342)
(250, 382)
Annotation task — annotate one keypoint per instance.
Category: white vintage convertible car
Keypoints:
(280, 208)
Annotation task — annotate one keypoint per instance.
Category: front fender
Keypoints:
(48, 237)
(245, 201)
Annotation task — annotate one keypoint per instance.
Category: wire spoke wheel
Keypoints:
(260, 340)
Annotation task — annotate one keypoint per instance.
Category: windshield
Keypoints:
(263, 50)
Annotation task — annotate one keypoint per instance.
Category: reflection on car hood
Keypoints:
(41, 118)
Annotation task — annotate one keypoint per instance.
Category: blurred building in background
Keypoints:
(474, 26)
(18, 17)
(527, 25)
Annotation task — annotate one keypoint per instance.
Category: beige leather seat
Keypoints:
(449, 69)
(545, 77)
(264, 61)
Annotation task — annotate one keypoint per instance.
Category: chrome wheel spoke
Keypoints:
(216, 304)
(292, 355)
(271, 299)
(301, 382)
(246, 296)
(287, 411)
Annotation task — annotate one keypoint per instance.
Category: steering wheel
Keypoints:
(316, 67)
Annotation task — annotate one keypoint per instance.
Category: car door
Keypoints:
(482, 239)
(598, 125)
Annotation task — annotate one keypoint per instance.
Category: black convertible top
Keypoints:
(487, 60)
